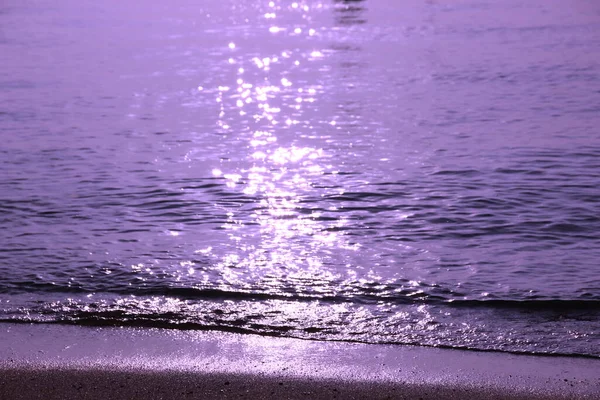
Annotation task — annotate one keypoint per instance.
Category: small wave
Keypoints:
(364, 293)
(532, 304)
(324, 334)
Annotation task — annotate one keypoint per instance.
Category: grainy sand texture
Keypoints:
(62, 362)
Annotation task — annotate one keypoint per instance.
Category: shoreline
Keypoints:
(65, 361)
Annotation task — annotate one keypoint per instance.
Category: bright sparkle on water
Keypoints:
(287, 242)
(362, 170)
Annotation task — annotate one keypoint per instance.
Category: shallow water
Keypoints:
(423, 173)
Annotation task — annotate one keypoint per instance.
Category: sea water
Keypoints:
(410, 172)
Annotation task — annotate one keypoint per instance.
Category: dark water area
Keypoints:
(417, 172)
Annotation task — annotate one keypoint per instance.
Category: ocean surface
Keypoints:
(382, 171)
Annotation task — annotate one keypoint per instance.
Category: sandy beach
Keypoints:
(58, 361)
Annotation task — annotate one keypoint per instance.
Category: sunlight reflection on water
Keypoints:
(414, 172)
(288, 239)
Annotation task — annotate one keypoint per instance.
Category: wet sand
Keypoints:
(58, 362)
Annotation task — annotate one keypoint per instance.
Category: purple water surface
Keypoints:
(380, 171)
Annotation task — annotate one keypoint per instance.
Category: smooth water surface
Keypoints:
(380, 171)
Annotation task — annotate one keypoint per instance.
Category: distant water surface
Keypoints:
(415, 172)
